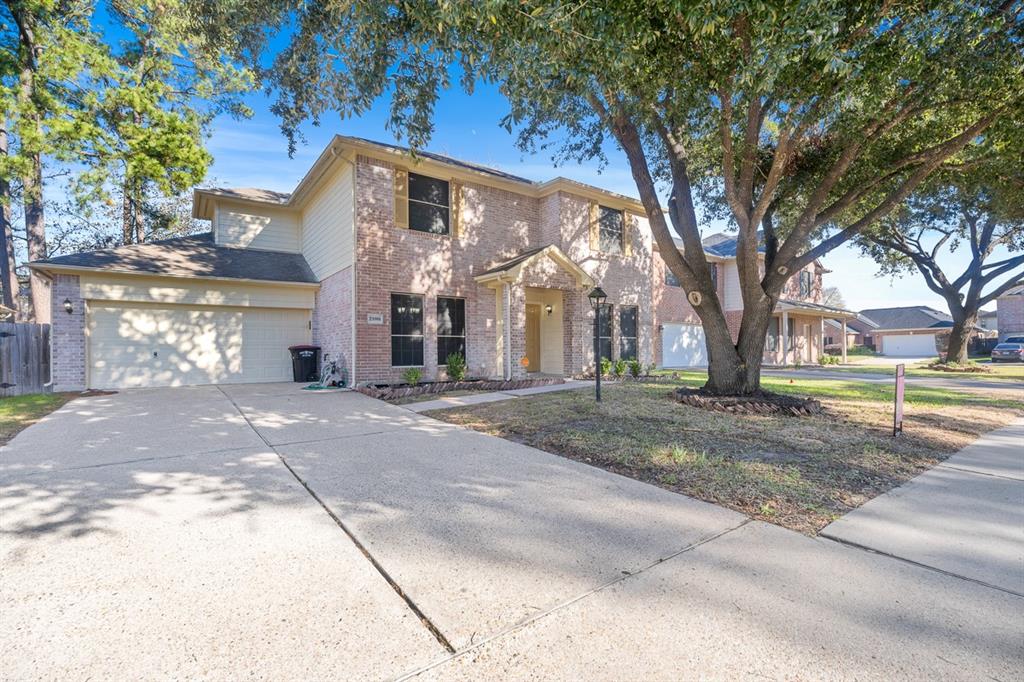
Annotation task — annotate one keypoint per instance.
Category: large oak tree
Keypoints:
(808, 121)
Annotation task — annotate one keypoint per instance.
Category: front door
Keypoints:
(533, 337)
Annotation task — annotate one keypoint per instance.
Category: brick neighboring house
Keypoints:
(908, 331)
(387, 263)
(1010, 313)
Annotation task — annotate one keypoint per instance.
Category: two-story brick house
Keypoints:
(387, 263)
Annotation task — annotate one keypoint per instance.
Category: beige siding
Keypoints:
(732, 294)
(327, 225)
(268, 229)
(164, 290)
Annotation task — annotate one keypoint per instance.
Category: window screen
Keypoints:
(406, 330)
(451, 328)
(428, 204)
(627, 332)
(611, 229)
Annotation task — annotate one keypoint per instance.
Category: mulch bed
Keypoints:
(971, 368)
(759, 403)
(388, 392)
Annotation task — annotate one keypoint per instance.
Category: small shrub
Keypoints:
(456, 366)
(829, 360)
(412, 376)
(619, 368)
(650, 369)
(606, 366)
(635, 369)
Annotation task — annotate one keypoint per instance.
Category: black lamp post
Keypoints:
(597, 298)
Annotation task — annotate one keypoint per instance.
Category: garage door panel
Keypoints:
(909, 345)
(683, 345)
(137, 345)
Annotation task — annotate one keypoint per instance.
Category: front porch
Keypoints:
(539, 309)
(796, 334)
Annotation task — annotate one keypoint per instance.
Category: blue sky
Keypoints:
(254, 153)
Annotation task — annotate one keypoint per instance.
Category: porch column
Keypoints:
(785, 338)
(506, 332)
(821, 340)
(844, 340)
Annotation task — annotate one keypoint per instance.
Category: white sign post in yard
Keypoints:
(897, 421)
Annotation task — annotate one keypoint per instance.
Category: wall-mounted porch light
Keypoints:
(68, 308)
(548, 309)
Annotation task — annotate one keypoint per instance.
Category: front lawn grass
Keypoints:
(801, 473)
(20, 412)
(1001, 371)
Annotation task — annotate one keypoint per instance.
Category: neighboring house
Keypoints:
(856, 331)
(797, 331)
(389, 263)
(988, 320)
(909, 331)
(1010, 313)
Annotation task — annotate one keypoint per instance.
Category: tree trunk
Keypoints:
(140, 227)
(734, 368)
(960, 336)
(127, 220)
(8, 272)
(32, 189)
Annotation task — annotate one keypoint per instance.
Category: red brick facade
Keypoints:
(494, 225)
(332, 320)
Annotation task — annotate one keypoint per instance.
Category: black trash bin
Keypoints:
(305, 363)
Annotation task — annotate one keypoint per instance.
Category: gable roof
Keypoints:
(196, 256)
(509, 270)
(724, 245)
(908, 317)
(346, 147)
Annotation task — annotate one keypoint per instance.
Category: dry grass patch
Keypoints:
(801, 473)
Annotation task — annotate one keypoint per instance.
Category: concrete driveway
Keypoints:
(268, 532)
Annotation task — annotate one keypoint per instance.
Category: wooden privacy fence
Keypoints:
(24, 358)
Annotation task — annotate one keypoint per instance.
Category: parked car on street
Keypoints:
(1008, 352)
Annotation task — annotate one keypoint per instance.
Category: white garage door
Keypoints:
(683, 345)
(143, 345)
(909, 345)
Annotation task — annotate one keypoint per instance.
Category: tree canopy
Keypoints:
(805, 121)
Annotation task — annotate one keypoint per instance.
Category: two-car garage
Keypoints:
(921, 345)
(139, 344)
(683, 345)
(222, 315)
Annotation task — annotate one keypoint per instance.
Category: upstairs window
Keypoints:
(806, 283)
(429, 209)
(627, 332)
(611, 229)
(714, 275)
(406, 330)
(670, 279)
(451, 328)
(604, 330)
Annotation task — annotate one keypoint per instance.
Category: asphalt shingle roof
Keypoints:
(193, 256)
(908, 317)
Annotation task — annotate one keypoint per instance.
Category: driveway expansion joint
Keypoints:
(872, 550)
(626, 575)
(427, 623)
(966, 470)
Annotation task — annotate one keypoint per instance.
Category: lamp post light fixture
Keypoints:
(68, 308)
(597, 298)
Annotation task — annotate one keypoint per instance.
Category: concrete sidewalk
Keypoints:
(964, 517)
(1002, 389)
(494, 396)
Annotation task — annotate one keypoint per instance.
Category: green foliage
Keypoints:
(635, 369)
(606, 366)
(619, 368)
(412, 375)
(456, 366)
(828, 359)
